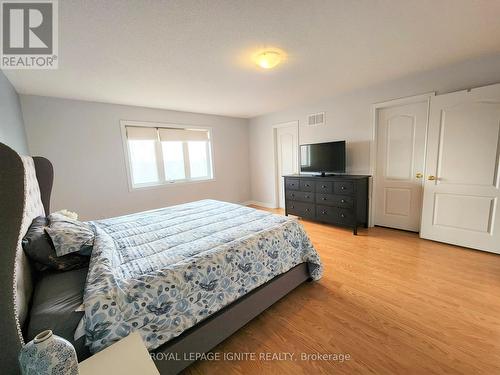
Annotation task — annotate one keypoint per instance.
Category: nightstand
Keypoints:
(128, 356)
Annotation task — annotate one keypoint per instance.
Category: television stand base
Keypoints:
(324, 174)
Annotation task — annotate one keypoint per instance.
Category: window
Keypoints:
(173, 160)
(167, 154)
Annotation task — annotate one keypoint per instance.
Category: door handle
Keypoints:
(431, 178)
(419, 175)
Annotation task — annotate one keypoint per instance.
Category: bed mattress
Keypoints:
(161, 272)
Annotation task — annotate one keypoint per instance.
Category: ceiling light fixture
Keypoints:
(268, 59)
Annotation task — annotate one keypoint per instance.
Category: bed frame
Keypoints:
(199, 339)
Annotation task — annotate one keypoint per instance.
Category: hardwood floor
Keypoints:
(395, 303)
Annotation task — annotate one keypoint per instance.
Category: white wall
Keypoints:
(83, 141)
(349, 116)
(12, 131)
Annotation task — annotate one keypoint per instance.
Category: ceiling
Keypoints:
(196, 55)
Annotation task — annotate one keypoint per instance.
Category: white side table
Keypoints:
(128, 356)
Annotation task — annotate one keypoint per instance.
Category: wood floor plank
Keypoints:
(392, 301)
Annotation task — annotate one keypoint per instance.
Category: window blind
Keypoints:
(181, 135)
(141, 133)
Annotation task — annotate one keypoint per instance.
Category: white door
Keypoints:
(461, 190)
(401, 133)
(288, 155)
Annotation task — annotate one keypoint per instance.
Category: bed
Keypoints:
(185, 277)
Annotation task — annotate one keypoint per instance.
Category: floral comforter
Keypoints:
(161, 272)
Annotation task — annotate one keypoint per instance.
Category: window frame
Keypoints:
(159, 155)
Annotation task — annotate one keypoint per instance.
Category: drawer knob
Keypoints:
(293, 195)
(307, 210)
(293, 206)
(342, 201)
(342, 188)
(323, 198)
(342, 215)
(308, 196)
(323, 186)
(323, 212)
(307, 185)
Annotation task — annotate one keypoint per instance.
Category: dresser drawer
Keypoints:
(303, 196)
(292, 183)
(324, 187)
(344, 187)
(335, 215)
(306, 185)
(300, 209)
(335, 200)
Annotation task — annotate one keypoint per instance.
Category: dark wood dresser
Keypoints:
(337, 199)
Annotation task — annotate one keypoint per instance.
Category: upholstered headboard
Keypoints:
(25, 186)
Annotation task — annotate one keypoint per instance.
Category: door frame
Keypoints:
(376, 107)
(275, 147)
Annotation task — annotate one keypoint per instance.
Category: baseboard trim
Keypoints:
(246, 203)
(257, 203)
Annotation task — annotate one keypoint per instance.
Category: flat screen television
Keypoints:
(323, 158)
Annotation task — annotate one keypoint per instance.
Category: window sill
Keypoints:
(169, 184)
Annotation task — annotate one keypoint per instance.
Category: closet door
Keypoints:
(462, 186)
(401, 135)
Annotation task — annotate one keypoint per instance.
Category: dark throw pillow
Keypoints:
(39, 249)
